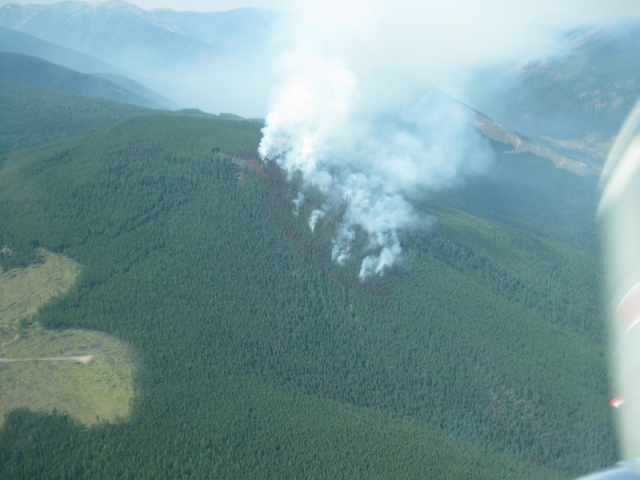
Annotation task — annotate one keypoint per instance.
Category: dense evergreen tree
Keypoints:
(260, 358)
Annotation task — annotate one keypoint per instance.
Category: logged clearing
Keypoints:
(498, 133)
(85, 374)
(24, 290)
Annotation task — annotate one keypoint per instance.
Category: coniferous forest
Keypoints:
(483, 356)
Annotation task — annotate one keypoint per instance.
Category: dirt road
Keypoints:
(83, 359)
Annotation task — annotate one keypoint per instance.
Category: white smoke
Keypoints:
(316, 215)
(299, 200)
(365, 162)
(356, 111)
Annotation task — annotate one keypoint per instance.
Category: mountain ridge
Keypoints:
(203, 61)
(34, 71)
(19, 42)
(106, 30)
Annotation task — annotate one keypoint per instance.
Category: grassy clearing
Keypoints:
(40, 369)
(24, 290)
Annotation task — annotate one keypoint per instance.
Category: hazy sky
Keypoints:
(612, 6)
(212, 5)
(190, 5)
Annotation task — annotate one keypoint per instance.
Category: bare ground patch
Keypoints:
(85, 374)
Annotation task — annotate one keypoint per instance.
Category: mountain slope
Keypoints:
(576, 101)
(20, 42)
(29, 70)
(140, 90)
(114, 31)
(207, 61)
(240, 31)
(259, 358)
(31, 116)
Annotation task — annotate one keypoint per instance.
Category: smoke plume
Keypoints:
(358, 110)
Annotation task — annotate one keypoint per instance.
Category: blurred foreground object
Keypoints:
(619, 216)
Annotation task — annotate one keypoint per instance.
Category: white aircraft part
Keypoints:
(619, 213)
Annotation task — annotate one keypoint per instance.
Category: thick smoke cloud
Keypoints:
(358, 109)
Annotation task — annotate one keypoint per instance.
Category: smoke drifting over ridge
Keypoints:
(356, 112)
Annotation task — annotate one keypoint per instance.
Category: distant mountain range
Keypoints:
(29, 70)
(107, 31)
(20, 42)
(240, 31)
(200, 59)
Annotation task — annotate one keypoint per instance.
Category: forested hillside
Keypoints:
(527, 192)
(31, 116)
(259, 358)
